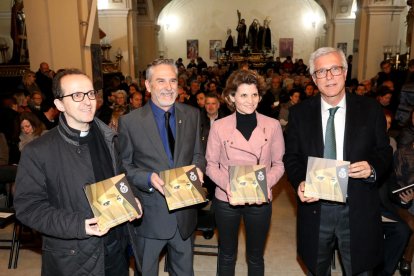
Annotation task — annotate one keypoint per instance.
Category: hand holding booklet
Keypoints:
(182, 187)
(248, 184)
(327, 179)
(112, 201)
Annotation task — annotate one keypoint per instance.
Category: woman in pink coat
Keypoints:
(243, 138)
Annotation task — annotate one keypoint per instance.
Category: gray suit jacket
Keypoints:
(142, 152)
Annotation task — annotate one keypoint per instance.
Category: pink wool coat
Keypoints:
(226, 147)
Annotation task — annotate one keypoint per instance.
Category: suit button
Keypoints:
(314, 212)
(72, 252)
(78, 151)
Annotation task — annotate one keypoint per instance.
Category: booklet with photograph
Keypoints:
(112, 201)
(182, 187)
(248, 184)
(403, 189)
(327, 179)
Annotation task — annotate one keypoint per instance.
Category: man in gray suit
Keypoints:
(150, 145)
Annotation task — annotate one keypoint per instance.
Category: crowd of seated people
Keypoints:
(288, 83)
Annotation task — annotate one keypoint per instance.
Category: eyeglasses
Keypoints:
(79, 96)
(322, 73)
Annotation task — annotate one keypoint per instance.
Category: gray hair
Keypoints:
(160, 61)
(325, 51)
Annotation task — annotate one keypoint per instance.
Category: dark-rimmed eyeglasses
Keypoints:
(322, 73)
(79, 96)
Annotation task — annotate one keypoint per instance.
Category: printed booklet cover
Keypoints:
(182, 187)
(248, 184)
(327, 179)
(112, 201)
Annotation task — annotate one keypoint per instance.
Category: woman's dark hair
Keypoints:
(37, 125)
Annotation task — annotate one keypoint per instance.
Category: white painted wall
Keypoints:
(208, 20)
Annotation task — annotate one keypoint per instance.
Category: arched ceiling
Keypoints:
(333, 9)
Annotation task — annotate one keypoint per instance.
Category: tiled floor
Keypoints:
(280, 254)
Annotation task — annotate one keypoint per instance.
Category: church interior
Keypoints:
(109, 39)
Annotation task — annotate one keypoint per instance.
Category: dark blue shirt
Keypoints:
(160, 121)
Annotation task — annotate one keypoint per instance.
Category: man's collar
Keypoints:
(160, 112)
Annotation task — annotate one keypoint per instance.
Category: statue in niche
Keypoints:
(264, 37)
(241, 29)
(18, 34)
(229, 42)
(252, 34)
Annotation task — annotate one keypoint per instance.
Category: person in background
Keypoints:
(364, 143)
(48, 114)
(360, 90)
(35, 101)
(135, 101)
(121, 98)
(30, 128)
(243, 138)
(201, 99)
(294, 98)
(52, 172)
(44, 77)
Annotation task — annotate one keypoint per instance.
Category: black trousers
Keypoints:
(334, 226)
(256, 220)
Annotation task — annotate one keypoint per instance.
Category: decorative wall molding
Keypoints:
(113, 13)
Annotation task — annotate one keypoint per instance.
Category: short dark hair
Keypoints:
(57, 80)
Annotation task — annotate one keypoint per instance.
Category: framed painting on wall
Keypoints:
(343, 46)
(285, 47)
(214, 46)
(192, 48)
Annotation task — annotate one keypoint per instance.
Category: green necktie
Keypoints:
(330, 142)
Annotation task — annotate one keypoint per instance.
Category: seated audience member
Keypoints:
(35, 101)
(117, 112)
(309, 91)
(384, 95)
(22, 102)
(209, 115)
(7, 172)
(181, 94)
(44, 77)
(404, 175)
(201, 99)
(29, 83)
(396, 231)
(360, 90)
(406, 135)
(369, 89)
(268, 105)
(9, 126)
(103, 111)
(133, 88)
(135, 101)
(121, 98)
(48, 114)
(294, 98)
(30, 128)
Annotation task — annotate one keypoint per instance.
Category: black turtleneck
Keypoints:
(246, 123)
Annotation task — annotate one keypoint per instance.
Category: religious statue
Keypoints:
(264, 37)
(241, 29)
(252, 34)
(18, 33)
(229, 42)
